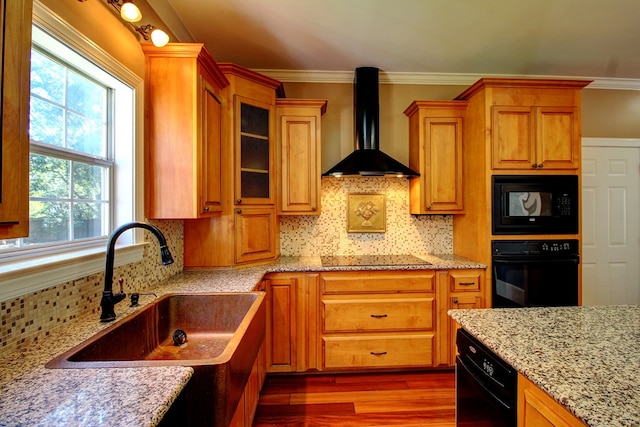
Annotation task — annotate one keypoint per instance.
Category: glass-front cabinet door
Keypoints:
(254, 180)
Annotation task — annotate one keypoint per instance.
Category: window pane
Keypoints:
(86, 135)
(87, 220)
(89, 182)
(86, 97)
(49, 177)
(47, 78)
(49, 222)
(45, 122)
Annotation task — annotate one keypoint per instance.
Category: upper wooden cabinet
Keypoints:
(535, 138)
(298, 155)
(15, 42)
(525, 124)
(247, 230)
(435, 150)
(185, 101)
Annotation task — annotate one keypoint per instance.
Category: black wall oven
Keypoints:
(535, 204)
(535, 273)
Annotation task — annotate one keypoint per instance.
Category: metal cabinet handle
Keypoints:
(378, 316)
(378, 353)
(467, 283)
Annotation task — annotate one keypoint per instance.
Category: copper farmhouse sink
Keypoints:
(224, 332)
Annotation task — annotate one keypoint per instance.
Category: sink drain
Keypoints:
(179, 337)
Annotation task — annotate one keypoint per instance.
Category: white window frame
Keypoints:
(34, 270)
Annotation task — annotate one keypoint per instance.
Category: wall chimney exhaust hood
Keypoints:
(367, 159)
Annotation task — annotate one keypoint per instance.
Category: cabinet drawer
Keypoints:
(378, 351)
(378, 314)
(464, 281)
(374, 281)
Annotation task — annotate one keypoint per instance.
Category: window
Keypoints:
(85, 106)
(72, 125)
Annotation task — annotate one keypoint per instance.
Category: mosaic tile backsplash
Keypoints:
(28, 318)
(327, 234)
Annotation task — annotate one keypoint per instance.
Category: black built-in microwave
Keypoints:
(535, 204)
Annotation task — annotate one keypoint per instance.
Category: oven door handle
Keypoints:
(528, 260)
(480, 383)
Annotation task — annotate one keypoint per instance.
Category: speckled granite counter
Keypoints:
(32, 395)
(586, 358)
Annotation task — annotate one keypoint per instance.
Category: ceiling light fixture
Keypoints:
(130, 13)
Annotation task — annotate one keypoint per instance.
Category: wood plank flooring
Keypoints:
(379, 399)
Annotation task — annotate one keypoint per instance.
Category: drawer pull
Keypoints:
(378, 316)
(467, 283)
(378, 353)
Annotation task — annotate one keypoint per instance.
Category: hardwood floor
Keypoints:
(379, 399)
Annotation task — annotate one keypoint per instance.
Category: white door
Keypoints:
(610, 221)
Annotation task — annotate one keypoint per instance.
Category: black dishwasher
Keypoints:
(486, 386)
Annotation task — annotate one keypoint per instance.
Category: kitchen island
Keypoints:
(33, 395)
(585, 358)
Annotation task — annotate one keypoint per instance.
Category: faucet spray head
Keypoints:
(165, 255)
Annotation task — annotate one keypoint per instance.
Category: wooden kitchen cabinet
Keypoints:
(464, 291)
(292, 313)
(535, 138)
(298, 155)
(255, 151)
(15, 42)
(255, 239)
(247, 230)
(435, 151)
(185, 100)
(537, 409)
(378, 319)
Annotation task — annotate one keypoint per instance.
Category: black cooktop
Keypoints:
(371, 260)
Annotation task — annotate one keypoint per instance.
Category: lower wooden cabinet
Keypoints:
(378, 319)
(464, 291)
(537, 409)
(291, 331)
(361, 320)
(246, 410)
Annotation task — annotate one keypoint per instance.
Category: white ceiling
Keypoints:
(572, 38)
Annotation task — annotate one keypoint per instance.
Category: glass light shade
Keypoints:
(159, 38)
(130, 12)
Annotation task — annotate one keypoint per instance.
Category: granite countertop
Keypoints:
(33, 395)
(586, 358)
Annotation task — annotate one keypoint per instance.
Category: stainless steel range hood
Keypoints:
(367, 159)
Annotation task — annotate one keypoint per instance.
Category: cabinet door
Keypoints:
(255, 154)
(299, 137)
(468, 301)
(557, 138)
(443, 164)
(513, 139)
(211, 173)
(15, 42)
(281, 325)
(256, 231)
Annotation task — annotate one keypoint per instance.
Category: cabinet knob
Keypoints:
(239, 211)
(455, 300)
(205, 209)
(238, 201)
(313, 209)
(429, 207)
(540, 165)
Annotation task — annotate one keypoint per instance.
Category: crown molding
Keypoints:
(439, 79)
